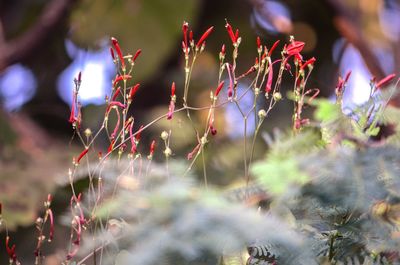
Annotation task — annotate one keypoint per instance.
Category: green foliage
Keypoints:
(176, 222)
(277, 174)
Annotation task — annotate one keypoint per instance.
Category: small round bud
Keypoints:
(262, 114)
(256, 91)
(277, 96)
(39, 221)
(164, 135)
(168, 152)
(88, 132)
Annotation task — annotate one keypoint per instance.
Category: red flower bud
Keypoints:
(295, 47)
(185, 27)
(309, 62)
(173, 89)
(11, 250)
(171, 109)
(220, 86)
(237, 34)
(152, 148)
(191, 36)
(273, 47)
(117, 92)
(51, 232)
(346, 79)
(268, 85)
(133, 91)
(223, 50)
(258, 42)
(119, 52)
(120, 78)
(204, 36)
(138, 135)
(385, 81)
(138, 52)
(49, 198)
(112, 53)
(81, 155)
(230, 32)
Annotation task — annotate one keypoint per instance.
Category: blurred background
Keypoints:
(45, 43)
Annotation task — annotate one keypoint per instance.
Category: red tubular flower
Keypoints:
(268, 85)
(116, 128)
(128, 122)
(230, 88)
(185, 28)
(117, 92)
(258, 42)
(138, 52)
(204, 36)
(295, 47)
(251, 70)
(112, 53)
(133, 143)
(223, 50)
(133, 91)
(119, 52)
(308, 62)
(230, 32)
(81, 155)
(273, 47)
(79, 77)
(237, 34)
(152, 148)
(171, 109)
(191, 37)
(111, 146)
(346, 79)
(385, 81)
(114, 103)
(51, 232)
(49, 198)
(11, 250)
(120, 78)
(139, 134)
(220, 86)
(339, 86)
(72, 117)
(173, 89)
(194, 151)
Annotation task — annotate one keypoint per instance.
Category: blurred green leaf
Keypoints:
(276, 175)
(326, 111)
